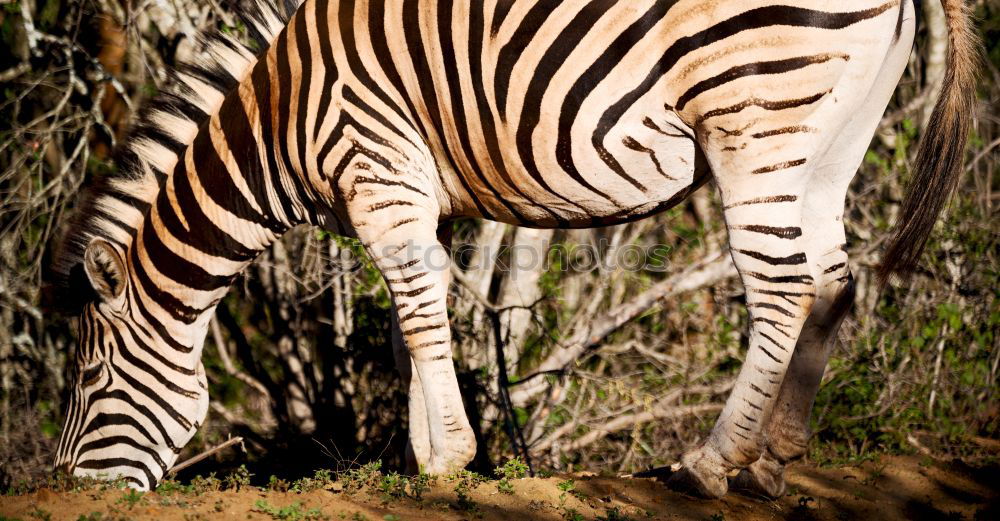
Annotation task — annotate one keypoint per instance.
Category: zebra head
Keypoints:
(138, 394)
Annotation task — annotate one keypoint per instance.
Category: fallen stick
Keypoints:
(191, 461)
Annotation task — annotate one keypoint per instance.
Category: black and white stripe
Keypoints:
(382, 119)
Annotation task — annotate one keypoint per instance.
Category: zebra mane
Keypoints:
(115, 204)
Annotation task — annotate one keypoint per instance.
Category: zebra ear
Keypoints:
(105, 269)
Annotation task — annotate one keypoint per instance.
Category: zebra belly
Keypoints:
(643, 168)
(661, 174)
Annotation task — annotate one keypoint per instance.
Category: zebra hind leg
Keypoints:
(764, 220)
(787, 432)
(763, 184)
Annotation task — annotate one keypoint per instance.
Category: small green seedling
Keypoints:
(466, 482)
(238, 479)
(293, 512)
(131, 497)
(513, 469)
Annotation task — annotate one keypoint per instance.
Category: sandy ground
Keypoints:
(898, 487)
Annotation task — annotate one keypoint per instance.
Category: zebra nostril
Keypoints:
(64, 468)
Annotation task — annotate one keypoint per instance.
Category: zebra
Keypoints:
(384, 120)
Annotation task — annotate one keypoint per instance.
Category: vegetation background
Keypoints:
(569, 366)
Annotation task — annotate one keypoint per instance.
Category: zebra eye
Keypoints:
(91, 375)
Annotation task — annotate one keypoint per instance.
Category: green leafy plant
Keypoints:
(361, 477)
(131, 498)
(513, 469)
(276, 484)
(238, 479)
(567, 488)
(465, 482)
(321, 479)
(395, 486)
(169, 486)
(418, 485)
(210, 483)
(292, 512)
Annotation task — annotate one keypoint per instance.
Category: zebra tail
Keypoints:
(940, 156)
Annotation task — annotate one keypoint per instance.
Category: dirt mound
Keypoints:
(898, 487)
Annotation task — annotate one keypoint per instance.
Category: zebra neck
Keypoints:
(201, 233)
(238, 186)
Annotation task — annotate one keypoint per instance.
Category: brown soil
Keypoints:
(897, 487)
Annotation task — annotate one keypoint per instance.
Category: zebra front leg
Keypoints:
(416, 266)
(418, 446)
(391, 202)
(764, 224)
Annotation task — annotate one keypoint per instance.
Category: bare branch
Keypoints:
(214, 450)
(715, 268)
(222, 347)
(664, 408)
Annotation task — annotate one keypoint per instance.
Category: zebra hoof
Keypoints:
(700, 476)
(443, 466)
(764, 477)
(450, 462)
